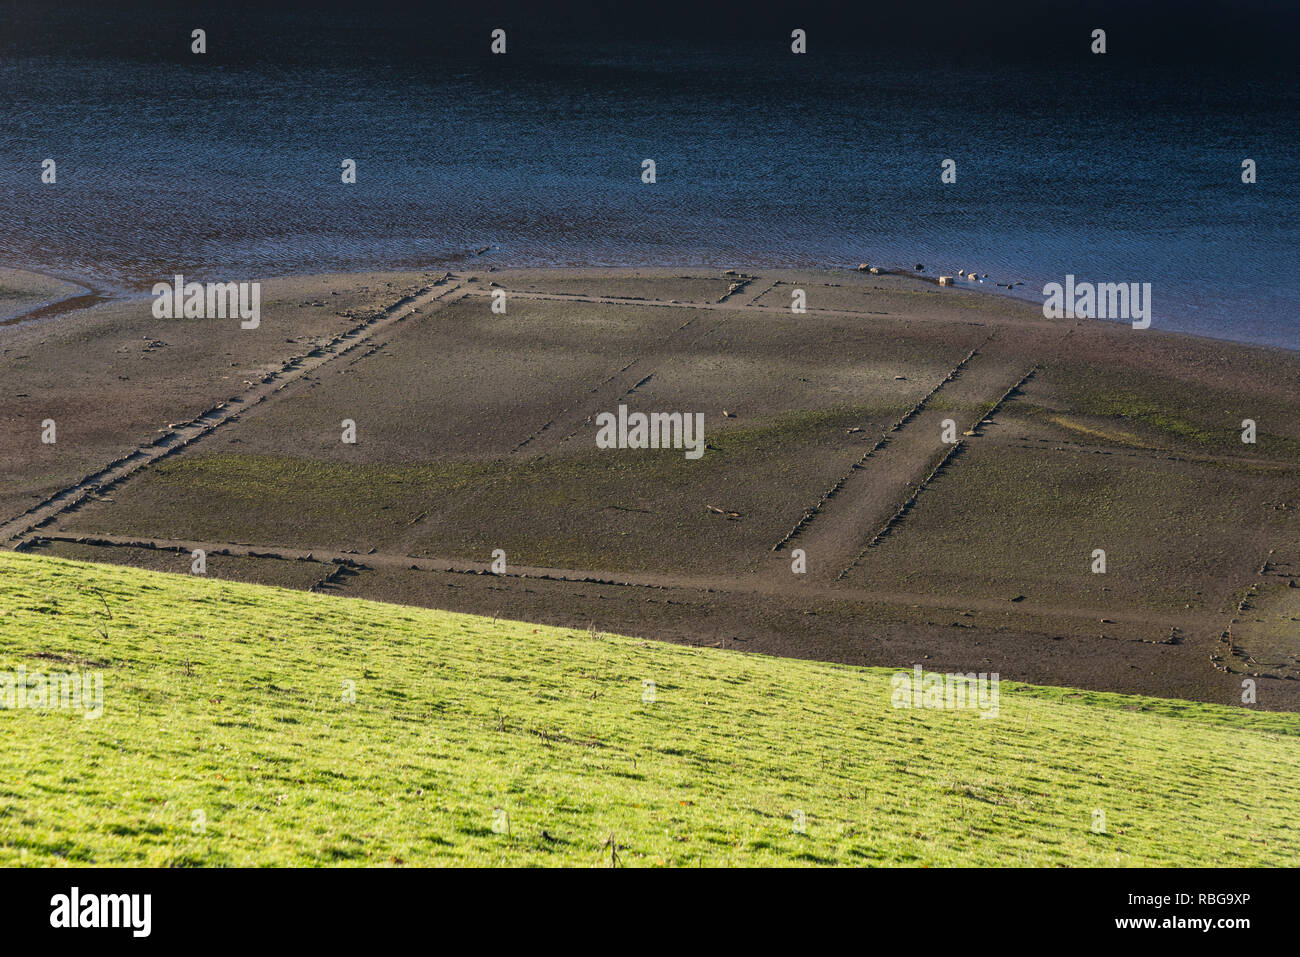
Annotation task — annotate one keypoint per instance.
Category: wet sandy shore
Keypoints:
(828, 517)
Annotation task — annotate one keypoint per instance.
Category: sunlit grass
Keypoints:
(227, 739)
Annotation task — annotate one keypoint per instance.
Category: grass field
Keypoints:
(227, 738)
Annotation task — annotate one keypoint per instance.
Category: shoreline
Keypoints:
(27, 294)
(90, 295)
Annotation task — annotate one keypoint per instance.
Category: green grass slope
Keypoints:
(227, 739)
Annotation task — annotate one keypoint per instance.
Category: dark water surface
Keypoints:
(226, 166)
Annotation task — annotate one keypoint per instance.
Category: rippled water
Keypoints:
(228, 166)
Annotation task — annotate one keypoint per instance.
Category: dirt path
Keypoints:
(183, 434)
(730, 303)
(863, 506)
(943, 462)
(752, 585)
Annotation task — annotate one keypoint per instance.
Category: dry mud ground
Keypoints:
(476, 431)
